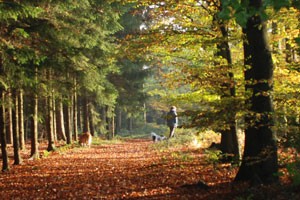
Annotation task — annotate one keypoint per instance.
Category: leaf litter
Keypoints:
(132, 169)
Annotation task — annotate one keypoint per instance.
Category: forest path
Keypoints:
(132, 169)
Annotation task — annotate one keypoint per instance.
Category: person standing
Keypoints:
(172, 121)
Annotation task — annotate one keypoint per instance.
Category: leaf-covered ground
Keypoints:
(134, 169)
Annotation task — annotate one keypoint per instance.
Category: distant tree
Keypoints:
(286, 73)
(229, 138)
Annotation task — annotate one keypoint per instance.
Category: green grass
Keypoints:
(144, 131)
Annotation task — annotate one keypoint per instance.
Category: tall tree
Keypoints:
(75, 112)
(80, 44)
(60, 125)
(91, 120)
(4, 152)
(21, 120)
(259, 163)
(8, 117)
(85, 114)
(229, 138)
(68, 120)
(15, 123)
(49, 122)
(34, 120)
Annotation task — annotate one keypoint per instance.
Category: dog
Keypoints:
(157, 138)
(85, 139)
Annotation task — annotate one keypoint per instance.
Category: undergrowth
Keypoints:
(189, 138)
(143, 131)
(100, 141)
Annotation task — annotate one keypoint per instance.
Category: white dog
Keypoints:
(156, 137)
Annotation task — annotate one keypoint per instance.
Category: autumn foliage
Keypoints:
(131, 169)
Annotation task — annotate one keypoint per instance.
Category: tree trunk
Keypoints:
(229, 143)
(103, 119)
(75, 122)
(21, 120)
(85, 114)
(130, 123)
(145, 114)
(79, 113)
(68, 127)
(91, 120)
(119, 121)
(108, 123)
(54, 119)
(259, 164)
(15, 123)
(49, 123)
(8, 118)
(112, 126)
(5, 166)
(34, 135)
(229, 139)
(60, 122)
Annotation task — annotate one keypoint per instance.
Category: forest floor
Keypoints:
(130, 169)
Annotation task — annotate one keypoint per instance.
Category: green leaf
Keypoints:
(241, 17)
(298, 40)
(225, 14)
(278, 4)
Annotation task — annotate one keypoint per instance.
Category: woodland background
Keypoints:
(113, 68)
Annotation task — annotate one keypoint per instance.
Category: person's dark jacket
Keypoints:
(172, 119)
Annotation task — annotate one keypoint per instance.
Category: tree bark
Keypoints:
(67, 116)
(108, 123)
(130, 123)
(118, 121)
(15, 124)
(54, 118)
(91, 120)
(49, 123)
(75, 122)
(259, 162)
(113, 128)
(79, 112)
(8, 118)
(229, 139)
(60, 124)
(21, 120)
(103, 119)
(34, 134)
(5, 166)
(145, 114)
(85, 114)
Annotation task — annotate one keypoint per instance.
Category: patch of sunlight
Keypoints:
(195, 143)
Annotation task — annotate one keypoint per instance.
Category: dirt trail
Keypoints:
(127, 170)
